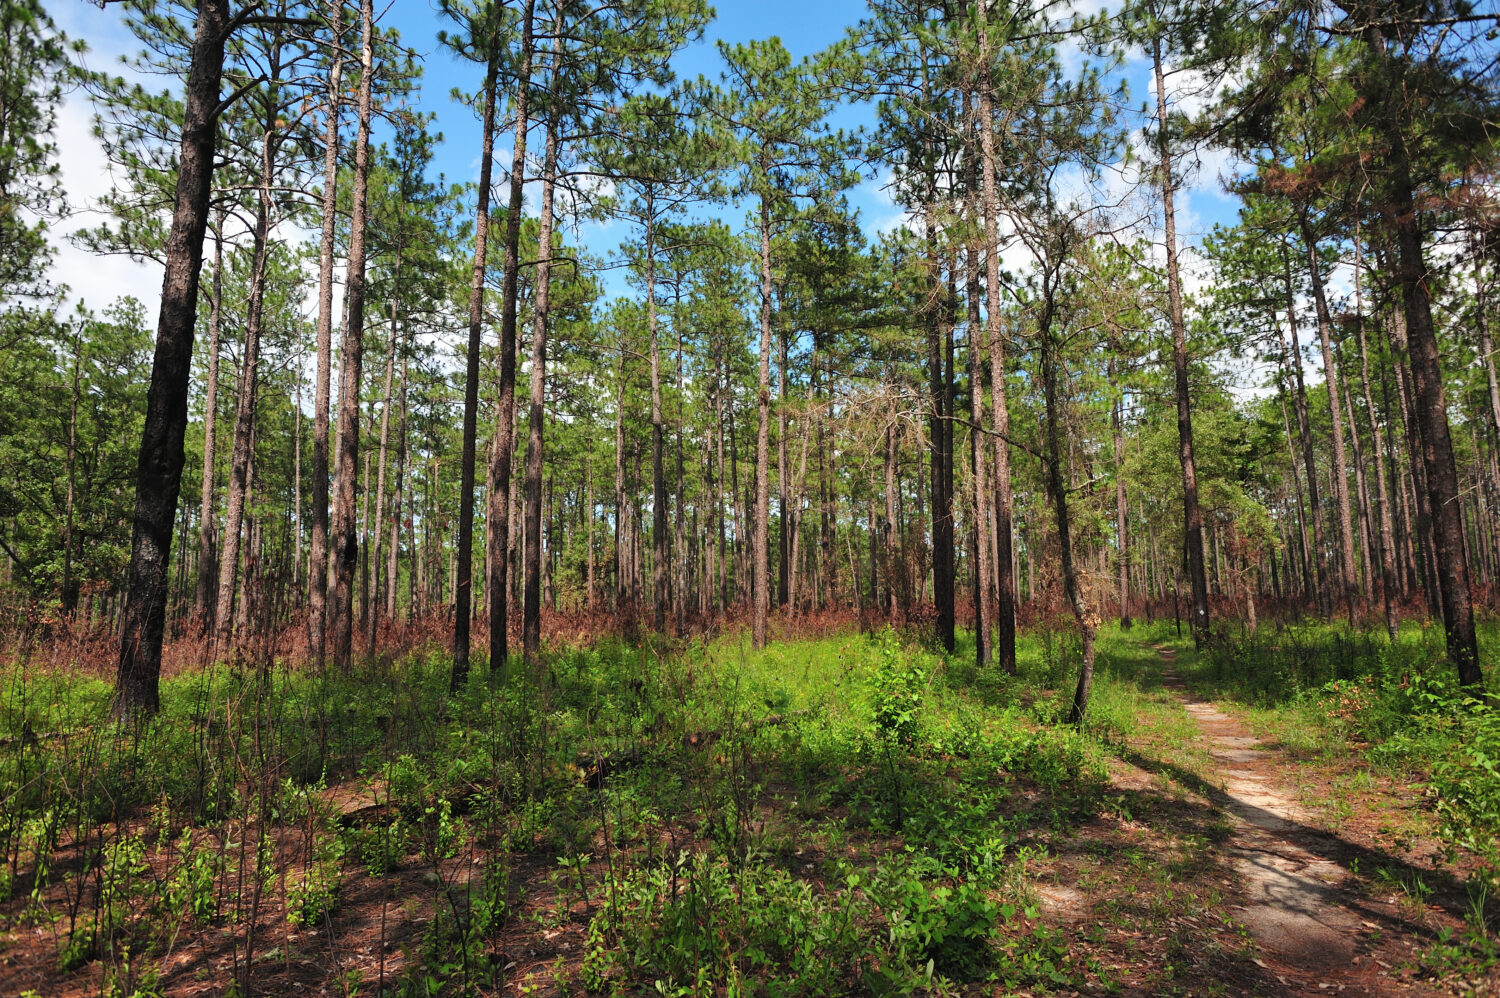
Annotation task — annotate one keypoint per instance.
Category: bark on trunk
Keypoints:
(1437, 445)
(204, 602)
(393, 348)
(1192, 515)
(531, 610)
(1005, 588)
(317, 575)
(1304, 431)
(351, 360)
(1083, 617)
(159, 469)
(660, 559)
(497, 535)
(1348, 576)
(463, 593)
(762, 575)
(1122, 508)
(980, 524)
(245, 404)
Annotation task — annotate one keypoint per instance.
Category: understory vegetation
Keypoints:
(850, 814)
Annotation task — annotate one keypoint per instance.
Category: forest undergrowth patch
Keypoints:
(853, 814)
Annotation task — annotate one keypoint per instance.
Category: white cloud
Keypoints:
(91, 278)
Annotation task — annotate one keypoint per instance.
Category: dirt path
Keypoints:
(1313, 930)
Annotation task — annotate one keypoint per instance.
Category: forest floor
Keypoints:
(837, 816)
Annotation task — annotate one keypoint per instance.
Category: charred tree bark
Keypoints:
(159, 469)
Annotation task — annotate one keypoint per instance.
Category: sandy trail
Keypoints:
(1307, 928)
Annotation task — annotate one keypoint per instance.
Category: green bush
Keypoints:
(896, 688)
(1467, 783)
(702, 926)
(939, 912)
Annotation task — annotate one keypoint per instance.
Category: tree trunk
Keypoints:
(980, 524)
(204, 602)
(892, 556)
(497, 536)
(1437, 446)
(939, 451)
(463, 604)
(1388, 583)
(351, 360)
(762, 582)
(393, 562)
(1308, 586)
(393, 347)
(1122, 509)
(317, 575)
(1418, 477)
(159, 469)
(1082, 616)
(1304, 430)
(245, 405)
(531, 610)
(660, 558)
(622, 509)
(1192, 516)
(785, 565)
(1348, 577)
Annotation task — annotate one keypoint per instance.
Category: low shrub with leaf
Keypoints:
(1467, 784)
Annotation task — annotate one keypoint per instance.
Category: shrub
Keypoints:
(702, 926)
(1467, 783)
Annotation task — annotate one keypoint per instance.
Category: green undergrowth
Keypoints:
(851, 813)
